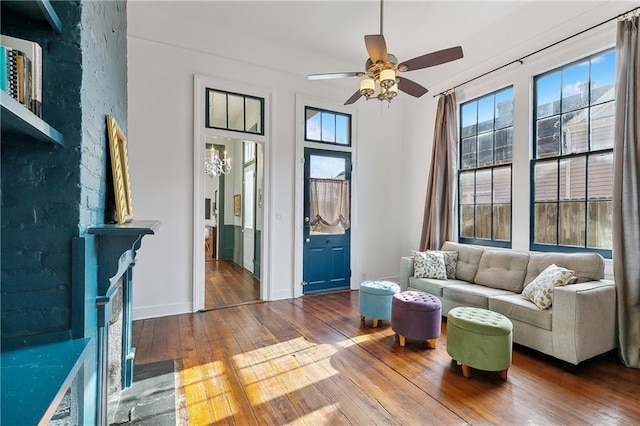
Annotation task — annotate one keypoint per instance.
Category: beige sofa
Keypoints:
(581, 322)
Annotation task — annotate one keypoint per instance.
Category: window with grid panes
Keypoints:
(572, 166)
(484, 174)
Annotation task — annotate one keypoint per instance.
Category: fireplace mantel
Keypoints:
(116, 247)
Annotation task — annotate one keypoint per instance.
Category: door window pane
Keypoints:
(248, 201)
(253, 115)
(236, 112)
(327, 126)
(313, 124)
(217, 109)
(322, 167)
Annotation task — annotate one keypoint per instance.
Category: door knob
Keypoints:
(307, 240)
(306, 219)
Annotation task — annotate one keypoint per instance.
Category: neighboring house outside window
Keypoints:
(572, 166)
(484, 175)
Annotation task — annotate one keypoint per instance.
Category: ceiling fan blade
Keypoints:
(411, 87)
(353, 98)
(330, 75)
(376, 47)
(431, 59)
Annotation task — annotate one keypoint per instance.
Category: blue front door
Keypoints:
(327, 220)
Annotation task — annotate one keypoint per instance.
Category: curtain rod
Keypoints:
(538, 51)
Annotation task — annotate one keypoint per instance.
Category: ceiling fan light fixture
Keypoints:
(391, 91)
(387, 78)
(367, 87)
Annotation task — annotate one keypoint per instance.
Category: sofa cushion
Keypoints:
(517, 308)
(432, 286)
(471, 294)
(468, 259)
(540, 290)
(429, 264)
(503, 269)
(586, 266)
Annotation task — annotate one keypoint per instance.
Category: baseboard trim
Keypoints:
(157, 311)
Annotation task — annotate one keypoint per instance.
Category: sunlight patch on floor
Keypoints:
(276, 370)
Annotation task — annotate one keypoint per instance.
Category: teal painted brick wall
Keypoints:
(51, 194)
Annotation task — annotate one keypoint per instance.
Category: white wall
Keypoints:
(161, 68)
(418, 123)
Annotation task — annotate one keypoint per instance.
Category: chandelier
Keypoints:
(216, 166)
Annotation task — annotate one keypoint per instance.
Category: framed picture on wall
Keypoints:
(236, 205)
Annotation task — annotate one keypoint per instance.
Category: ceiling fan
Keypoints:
(382, 68)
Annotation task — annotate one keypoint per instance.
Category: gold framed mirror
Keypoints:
(120, 171)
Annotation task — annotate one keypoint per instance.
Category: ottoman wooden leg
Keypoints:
(431, 343)
(361, 319)
(375, 323)
(466, 371)
(503, 374)
(402, 339)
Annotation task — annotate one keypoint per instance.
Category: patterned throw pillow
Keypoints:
(540, 290)
(450, 261)
(428, 264)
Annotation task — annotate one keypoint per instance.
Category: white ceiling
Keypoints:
(304, 37)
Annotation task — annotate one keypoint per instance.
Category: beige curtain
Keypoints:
(438, 209)
(330, 202)
(626, 191)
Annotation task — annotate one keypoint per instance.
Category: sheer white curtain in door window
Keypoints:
(330, 203)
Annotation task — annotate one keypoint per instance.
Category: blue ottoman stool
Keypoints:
(374, 300)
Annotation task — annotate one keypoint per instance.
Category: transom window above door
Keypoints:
(234, 111)
(327, 126)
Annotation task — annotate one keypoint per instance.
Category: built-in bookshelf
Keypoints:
(16, 118)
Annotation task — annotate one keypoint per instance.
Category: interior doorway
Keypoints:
(233, 221)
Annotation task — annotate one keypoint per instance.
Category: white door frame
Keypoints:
(303, 100)
(200, 83)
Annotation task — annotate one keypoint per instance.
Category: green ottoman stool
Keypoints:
(481, 339)
(374, 300)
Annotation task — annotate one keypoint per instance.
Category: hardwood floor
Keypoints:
(309, 361)
(228, 284)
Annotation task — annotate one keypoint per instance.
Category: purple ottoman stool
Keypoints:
(416, 315)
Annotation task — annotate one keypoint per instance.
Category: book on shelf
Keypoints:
(4, 69)
(28, 58)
